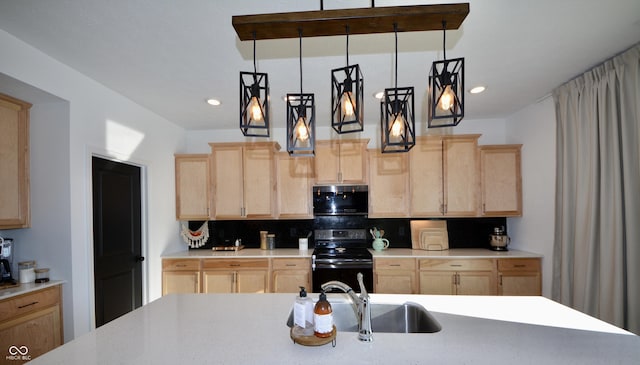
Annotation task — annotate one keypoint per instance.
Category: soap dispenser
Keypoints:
(303, 313)
(323, 317)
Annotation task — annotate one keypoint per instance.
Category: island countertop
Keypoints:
(251, 329)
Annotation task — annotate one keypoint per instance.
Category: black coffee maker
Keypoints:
(6, 258)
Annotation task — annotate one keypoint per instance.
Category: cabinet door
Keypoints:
(341, 161)
(14, 163)
(192, 187)
(259, 181)
(227, 177)
(388, 184)
(501, 180)
(353, 166)
(180, 282)
(252, 281)
(295, 181)
(395, 282)
(476, 283)
(519, 283)
(39, 331)
(425, 178)
(290, 281)
(460, 175)
(218, 281)
(437, 282)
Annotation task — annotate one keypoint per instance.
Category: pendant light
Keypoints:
(397, 119)
(347, 101)
(446, 89)
(301, 115)
(254, 101)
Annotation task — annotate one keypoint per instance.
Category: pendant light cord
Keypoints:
(444, 39)
(300, 36)
(395, 30)
(347, 29)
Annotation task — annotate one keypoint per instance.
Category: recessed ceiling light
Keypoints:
(477, 90)
(214, 102)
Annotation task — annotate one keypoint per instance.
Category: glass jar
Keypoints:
(27, 271)
(42, 275)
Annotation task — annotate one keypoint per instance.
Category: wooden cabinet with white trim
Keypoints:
(341, 161)
(192, 186)
(500, 180)
(180, 276)
(244, 180)
(443, 178)
(295, 181)
(395, 276)
(457, 276)
(235, 275)
(388, 184)
(32, 320)
(14, 163)
(289, 274)
(519, 276)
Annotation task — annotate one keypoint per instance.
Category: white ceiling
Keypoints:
(170, 56)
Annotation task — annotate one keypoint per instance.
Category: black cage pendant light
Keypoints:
(301, 120)
(347, 101)
(446, 90)
(254, 101)
(397, 119)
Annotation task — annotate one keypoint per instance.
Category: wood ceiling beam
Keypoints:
(322, 23)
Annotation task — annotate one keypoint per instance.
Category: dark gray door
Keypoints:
(117, 246)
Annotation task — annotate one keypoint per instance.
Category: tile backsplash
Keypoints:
(463, 232)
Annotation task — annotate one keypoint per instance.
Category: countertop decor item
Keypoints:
(313, 340)
(197, 238)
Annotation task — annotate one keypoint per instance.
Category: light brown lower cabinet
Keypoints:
(180, 276)
(519, 277)
(457, 276)
(32, 322)
(395, 276)
(235, 276)
(288, 275)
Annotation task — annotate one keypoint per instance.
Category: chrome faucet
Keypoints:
(361, 306)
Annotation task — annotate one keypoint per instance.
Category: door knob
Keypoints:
(139, 258)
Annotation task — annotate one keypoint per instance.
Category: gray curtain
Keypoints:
(596, 263)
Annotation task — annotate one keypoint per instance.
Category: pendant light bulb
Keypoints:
(397, 127)
(447, 98)
(254, 110)
(301, 129)
(348, 106)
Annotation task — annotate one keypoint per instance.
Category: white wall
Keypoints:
(535, 128)
(103, 122)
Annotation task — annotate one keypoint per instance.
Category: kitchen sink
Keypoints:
(385, 318)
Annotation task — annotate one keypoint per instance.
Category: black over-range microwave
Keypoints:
(341, 200)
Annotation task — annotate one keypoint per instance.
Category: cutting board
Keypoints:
(429, 235)
(228, 248)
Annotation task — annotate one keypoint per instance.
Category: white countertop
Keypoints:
(392, 252)
(27, 288)
(251, 329)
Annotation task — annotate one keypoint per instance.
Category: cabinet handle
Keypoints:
(291, 265)
(484, 208)
(27, 305)
(234, 265)
(455, 265)
(500, 279)
(394, 264)
(181, 265)
(520, 265)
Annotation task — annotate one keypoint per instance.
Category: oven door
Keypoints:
(348, 276)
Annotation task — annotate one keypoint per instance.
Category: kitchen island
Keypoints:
(251, 329)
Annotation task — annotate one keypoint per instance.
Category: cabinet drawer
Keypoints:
(457, 265)
(29, 302)
(394, 264)
(519, 265)
(181, 264)
(226, 264)
(293, 264)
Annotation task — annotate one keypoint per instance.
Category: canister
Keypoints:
(27, 271)
(263, 239)
(42, 275)
(271, 241)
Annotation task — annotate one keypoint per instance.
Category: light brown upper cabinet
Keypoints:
(501, 180)
(192, 187)
(244, 180)
(444, 175)
(14, 163)
(295, 181)
(388, 184)
(341, 161)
